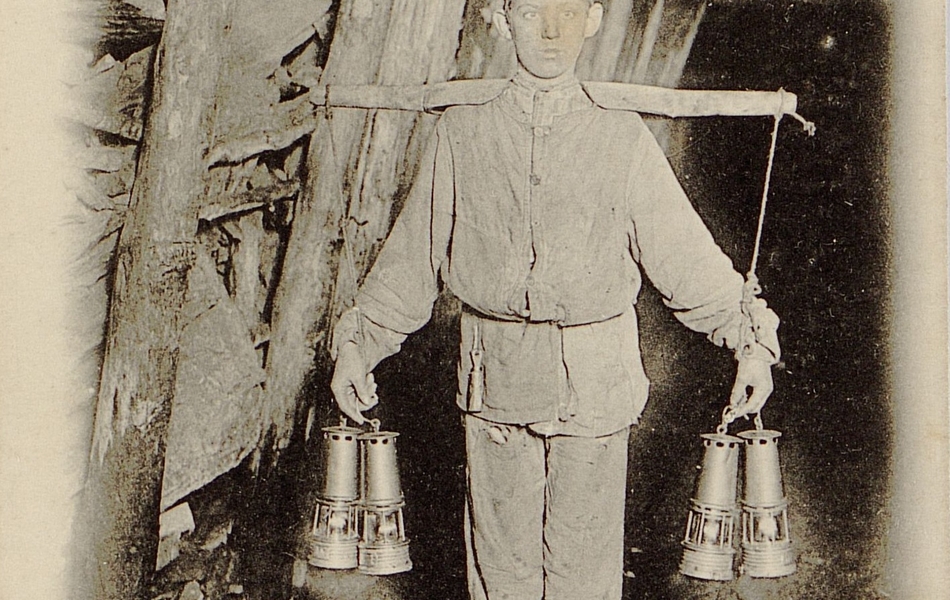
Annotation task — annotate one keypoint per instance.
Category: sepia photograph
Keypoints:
(474, 299)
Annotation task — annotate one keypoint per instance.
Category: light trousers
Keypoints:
(544, 515)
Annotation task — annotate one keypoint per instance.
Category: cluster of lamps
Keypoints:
(358, 519)
(708, 545)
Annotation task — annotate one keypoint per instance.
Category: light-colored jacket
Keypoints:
(538, 210)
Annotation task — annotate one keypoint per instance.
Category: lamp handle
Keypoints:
(728, 416)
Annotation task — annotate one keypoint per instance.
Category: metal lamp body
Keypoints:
(334, 536)
(766, 546)
(708, 551)
(383, 546)
(334, 539)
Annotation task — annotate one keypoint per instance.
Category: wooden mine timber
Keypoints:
(349, 176)
(154, 255)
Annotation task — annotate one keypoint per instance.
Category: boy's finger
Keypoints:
(755, 402)
(760, 395)
(365, 389)
(738, 396)
(348, 404)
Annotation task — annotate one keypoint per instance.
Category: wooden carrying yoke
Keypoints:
(613, 96)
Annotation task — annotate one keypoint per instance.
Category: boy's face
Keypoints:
(549, 34)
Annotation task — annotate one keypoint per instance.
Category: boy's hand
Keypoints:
(752, 388)
(353, 388)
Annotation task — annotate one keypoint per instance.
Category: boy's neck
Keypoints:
(544, 85)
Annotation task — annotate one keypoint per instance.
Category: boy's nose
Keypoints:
(549, 27)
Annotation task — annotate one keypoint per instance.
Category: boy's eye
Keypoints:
(568, 14)
(531, 14)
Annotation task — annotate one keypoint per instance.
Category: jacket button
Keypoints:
(535, 180)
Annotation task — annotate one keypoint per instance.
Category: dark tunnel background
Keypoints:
(824, 270)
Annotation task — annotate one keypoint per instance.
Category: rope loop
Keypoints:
(808, 126)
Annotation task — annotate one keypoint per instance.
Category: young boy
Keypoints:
(537, 210)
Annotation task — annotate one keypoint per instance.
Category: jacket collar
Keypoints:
(529, 104)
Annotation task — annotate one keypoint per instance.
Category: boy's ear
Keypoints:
(595, 15)
(500, 20)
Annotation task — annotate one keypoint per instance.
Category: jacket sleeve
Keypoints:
(678, 254)
(397, 296)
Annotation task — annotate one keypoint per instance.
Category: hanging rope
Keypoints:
(809, 128)
(765, 199)
(349, 259)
